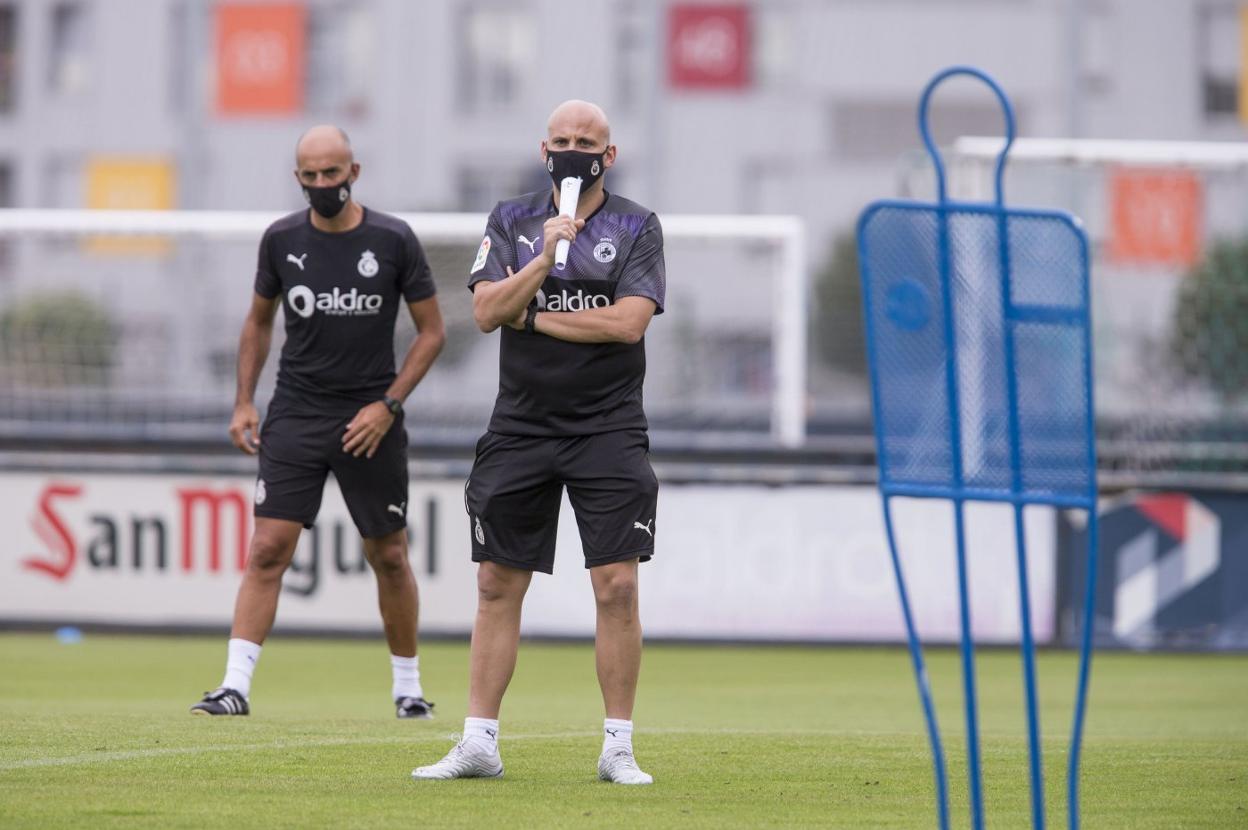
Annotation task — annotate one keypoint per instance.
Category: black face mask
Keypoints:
(564, 163)
(328, 201)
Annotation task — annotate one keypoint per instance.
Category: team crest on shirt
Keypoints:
(604, 251)
(261, 494)
(368, 266)
(482, 253)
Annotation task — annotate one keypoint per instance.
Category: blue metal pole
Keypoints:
(920, 674)
(1027, 646)
(1029, 675)
(1085, 670)
(968, 674)
(1089, 601)
(954, 409)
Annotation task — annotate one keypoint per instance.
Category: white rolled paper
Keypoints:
(569, 194)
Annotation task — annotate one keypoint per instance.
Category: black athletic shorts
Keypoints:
(516, 487)
(298, 450)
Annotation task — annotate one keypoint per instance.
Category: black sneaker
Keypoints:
(413, 707)
(222, 701)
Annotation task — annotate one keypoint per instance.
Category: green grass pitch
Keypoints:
(97, 735)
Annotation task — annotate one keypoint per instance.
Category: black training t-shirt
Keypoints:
(550, 387)
(342, 292)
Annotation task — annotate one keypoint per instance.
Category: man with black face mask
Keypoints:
(569, 414)
(343, 271)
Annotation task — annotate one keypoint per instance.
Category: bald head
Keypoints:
(579, 118)
(323, 140)
(323, 158)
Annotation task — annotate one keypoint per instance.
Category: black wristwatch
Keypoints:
(395, 406)
(530, 319)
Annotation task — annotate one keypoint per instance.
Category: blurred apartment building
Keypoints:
(783, 106)
(801, 106)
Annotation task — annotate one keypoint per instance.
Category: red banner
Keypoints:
(260, 58)
(708, 47)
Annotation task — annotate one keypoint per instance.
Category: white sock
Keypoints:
(481, 733)
(616, 735)
(243, 656)
(405, 674)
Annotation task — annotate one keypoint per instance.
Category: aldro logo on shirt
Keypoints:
(568, 301)
(305, 302)
(572, 295)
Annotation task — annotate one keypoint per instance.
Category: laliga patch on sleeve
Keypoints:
(482, 253)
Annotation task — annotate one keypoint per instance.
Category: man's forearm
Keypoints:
(592, 325)
(506, 298)
(253, 351)
(420, 357)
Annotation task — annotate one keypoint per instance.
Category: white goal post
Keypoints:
(1202, 154)
(786, 234)
(971, 158)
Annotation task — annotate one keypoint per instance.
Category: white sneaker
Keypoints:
(463, 761)
(620, 767)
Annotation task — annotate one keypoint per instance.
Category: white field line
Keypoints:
(140, 754)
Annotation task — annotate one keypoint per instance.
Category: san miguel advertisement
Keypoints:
(741, 562)
(156, 549)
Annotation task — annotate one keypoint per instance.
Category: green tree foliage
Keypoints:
(838, 309)
(57, 339)
(1209, 335)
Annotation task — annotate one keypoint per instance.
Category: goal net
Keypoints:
(124, 325)
(1168, 226)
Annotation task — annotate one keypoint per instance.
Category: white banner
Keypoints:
(739, 562)
(161, 549)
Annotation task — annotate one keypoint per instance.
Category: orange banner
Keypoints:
(130, 183)
(1155, 216)
(260, 58)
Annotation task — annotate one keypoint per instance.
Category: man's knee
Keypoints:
(615, 588)
(497, 583)
(388, 555)
(270, 554)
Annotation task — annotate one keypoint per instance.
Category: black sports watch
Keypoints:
(393, 404)
(530, 320)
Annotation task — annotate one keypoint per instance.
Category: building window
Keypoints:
(8, 57)
(62, 182)
(8, 198)
(1097, 42)
(480, 189)
(1219, 29)
(69, 68)
(498, 55)
(182, 56)
(635, 58)
(775, 54)
(884, 130)
(342, 49)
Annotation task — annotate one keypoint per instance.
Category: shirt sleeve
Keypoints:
(496, 253)
(645, 274)
(416, 282)
(268, 284)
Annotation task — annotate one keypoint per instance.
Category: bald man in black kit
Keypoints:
(341, 271)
